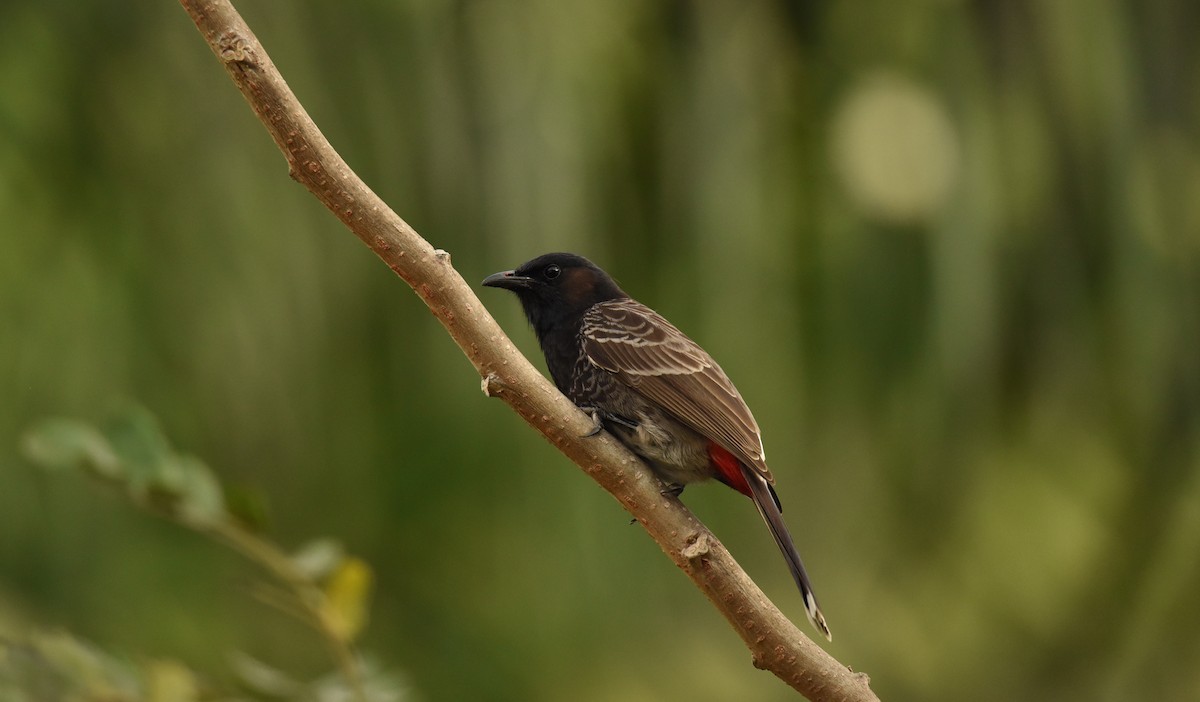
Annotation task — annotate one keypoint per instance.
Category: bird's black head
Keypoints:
(556, 288)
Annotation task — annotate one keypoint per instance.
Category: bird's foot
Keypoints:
(597, 424)
(599, 417)
(672, 489)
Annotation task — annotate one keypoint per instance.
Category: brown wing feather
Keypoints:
(647, 353)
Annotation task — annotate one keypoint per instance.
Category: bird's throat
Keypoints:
(562, 349)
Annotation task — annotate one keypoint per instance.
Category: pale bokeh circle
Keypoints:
(895, 148)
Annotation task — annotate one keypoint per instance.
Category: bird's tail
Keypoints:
(768, 506)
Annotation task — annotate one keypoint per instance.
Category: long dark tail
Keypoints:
(768, 506)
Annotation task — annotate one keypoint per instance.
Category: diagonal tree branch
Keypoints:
(774, 642)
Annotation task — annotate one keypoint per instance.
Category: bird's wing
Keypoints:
(651, 356)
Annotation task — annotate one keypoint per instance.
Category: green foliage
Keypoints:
(132, 451)
(60, 444)
(58, 667)
(321, 585)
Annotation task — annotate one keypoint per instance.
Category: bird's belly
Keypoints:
(675, 452)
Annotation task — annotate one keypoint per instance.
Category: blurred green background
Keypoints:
(949, 251)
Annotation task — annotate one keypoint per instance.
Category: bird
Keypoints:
(657, 391)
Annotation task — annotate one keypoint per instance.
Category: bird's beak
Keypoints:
(508, 280)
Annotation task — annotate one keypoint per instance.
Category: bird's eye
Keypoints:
(552, 271)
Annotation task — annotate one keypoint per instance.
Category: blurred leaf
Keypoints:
(163, 484)
(319, 558)
(58, 666)
(201, 498)
(263, 679)
(138, 439)
(378, 686)
(169, 681)
(68, 443)
(347, 598)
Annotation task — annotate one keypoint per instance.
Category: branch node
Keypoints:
(698, 547)
(235, 48)
(442, 255)
(491, 385)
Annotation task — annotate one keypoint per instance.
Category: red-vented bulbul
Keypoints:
(655, 389)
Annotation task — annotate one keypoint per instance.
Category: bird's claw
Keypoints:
(672, 489)
(599, 417)
(597, 421)
(597, 426)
